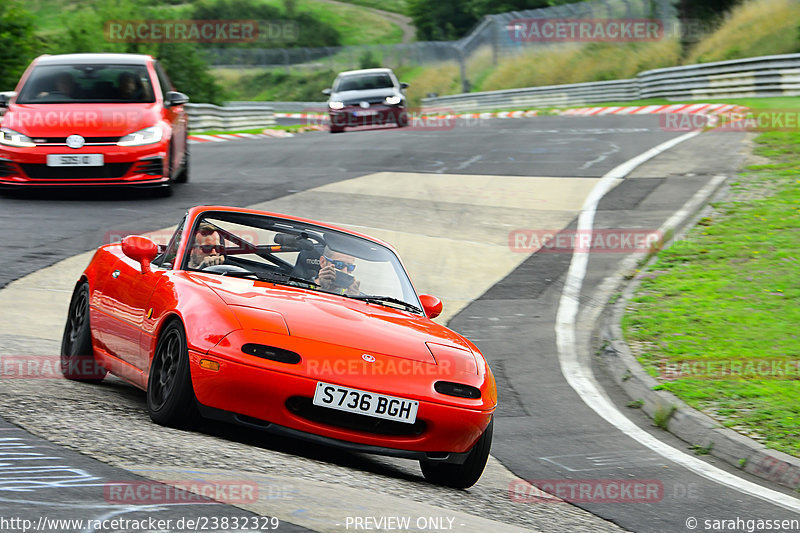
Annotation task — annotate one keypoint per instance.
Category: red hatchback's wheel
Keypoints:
(464, 475)
(170, 396)
(77, 354)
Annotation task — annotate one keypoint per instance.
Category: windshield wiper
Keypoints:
(386, 299)
(272, 277)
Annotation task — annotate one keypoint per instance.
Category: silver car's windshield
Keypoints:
(364, 82)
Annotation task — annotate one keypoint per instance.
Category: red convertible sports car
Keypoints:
(289, 326)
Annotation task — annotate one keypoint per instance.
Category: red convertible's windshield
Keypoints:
(281, 250)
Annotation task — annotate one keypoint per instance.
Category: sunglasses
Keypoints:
(208, 248)
(340, 265)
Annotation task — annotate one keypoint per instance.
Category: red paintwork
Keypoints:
(331, 333)
(37, 121)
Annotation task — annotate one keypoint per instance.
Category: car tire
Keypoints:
(337, 129)
(170, 395)
(183, 176)
(464, 475)
(77, 355)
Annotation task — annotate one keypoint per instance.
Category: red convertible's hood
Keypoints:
(338, 320)
(87, 120)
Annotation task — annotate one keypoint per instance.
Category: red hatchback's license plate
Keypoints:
(74, 160)
(366, 403)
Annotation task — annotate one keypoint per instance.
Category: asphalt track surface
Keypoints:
(543, 431)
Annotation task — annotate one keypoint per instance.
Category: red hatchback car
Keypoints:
(94, 119)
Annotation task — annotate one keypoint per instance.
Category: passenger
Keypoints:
(331, 262)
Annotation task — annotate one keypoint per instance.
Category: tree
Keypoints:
(18, 43)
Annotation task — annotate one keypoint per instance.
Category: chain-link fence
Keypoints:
(493, 37)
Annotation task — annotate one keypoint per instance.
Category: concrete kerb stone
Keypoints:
(695, 428)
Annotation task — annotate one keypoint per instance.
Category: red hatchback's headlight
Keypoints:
(10, 137)
(150, 135)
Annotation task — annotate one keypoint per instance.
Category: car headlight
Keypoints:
(150, 135)
(15, 138)
(394, 100)
(336, 105)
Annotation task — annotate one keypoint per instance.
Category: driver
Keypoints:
(208, 249)
(335, 270)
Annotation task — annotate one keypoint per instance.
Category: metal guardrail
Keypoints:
(285, 106)
(777, 75)
(549, 96)
(209, 117)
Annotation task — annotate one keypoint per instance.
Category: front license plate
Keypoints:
(74, 160)
(366, 403)
(364, 113)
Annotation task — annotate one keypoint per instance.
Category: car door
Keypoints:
(125, 299)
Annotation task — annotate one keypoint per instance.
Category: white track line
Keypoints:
(580, 378)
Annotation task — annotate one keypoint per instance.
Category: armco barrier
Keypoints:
(777, 75)
(208, 117)
(549, 96)
(756, 76)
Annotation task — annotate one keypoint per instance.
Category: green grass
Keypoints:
(356, 26)
(275, 85)
(754, 28)
(395, 6)
(731, 292)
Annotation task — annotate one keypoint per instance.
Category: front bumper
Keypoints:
(136, 166)
(375, 115)
(279, 401)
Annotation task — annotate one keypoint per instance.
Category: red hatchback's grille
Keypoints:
(304, 407)
(153, 166)
(107, 171)
(87, 140)
(7, 168)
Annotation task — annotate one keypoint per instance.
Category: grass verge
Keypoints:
(356, 26)
(729, 295)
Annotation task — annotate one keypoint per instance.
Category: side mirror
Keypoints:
(4, 100)
(403, 85)
(326, 92)
(431, 305)
(140, 249)
(174, 98)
